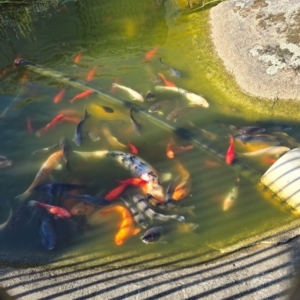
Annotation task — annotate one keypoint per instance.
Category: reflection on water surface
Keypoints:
(116, 46)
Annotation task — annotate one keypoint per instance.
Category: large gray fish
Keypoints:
(57, 189)
(143, 206)
(179, 112)
(136, 125)
(95, 200)
(138, 217)
(47, 233)
(255, 139)
(78, 131)
(137, 166)
(65, 147)
(173, 71)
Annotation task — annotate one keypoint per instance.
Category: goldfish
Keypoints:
(132, 148)
(173, 71)
(181, 190)
(78, 131)
(59, 96)
(193, 98)
(114, 193)
(172, 149)
(230, 155)
(50, 125)
(48, 166)
(166, 82)
(127, 227)
(91, 74)
(77, 58)
(133, 181)
(137, 166)
(82, 95)
(134, 95)
(149, 55)
(55, 210)
(113, 141)
(232, 196)
(29, 125)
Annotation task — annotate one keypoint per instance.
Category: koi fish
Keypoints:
(47, 233)
(54, 210)
(44, 149)
(256, 139)
(144, 207)
(132, 148)
(160, 107)
(181, 190)
(78, 131)
(65, 147)
(29, 125)
(173, 71)
(232, 196)
(166, 82)
(127, 227)
(149, 55)
(150, 96)
(275, 150)
(134, 95)
(59, 96)
(114, 193)
(81, 95)
(48, 166)
(230, 155)
(269, 160)
(154, 234)
(95, 200)
(57, 189)
(172, 149)
(113, 141)
(247, 129)
(77, 58)
(137, 166)
(50, 125)
(136, 125)
(133, 181)
(179, 112)
(193, 98)
(91, 74)
(138, 216)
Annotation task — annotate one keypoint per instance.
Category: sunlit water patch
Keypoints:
(113, 39)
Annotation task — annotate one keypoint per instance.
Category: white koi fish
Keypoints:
(193, 98)
(275, 150)
(134, 95)
(137, 166)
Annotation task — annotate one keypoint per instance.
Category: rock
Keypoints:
(259, 42)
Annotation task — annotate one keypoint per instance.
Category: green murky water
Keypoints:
(114, 36)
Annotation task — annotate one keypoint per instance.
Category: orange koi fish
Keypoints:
(82, 95)
(172, 149)
(166, 82)
(59, 96)
(54, 210)
(29, 125)
(48, 166)
(181, 190)
(230, 156)
(133, 181)
(133, 149)
(77, 58)
(91, 74)
(149, 55)
(50, 125)
(74, 120)
(127, 227)
(113, 194)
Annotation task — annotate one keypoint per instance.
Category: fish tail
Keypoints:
(99, 154)
(23, 196)
(190, 210)
(188, 227)
(86, 115)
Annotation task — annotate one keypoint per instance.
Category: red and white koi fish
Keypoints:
(50, 125)
(230, 155)
(54, 210)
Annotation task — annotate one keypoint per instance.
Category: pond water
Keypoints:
(112, 38)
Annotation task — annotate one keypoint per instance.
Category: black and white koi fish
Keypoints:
(78, 131)
(173, 71)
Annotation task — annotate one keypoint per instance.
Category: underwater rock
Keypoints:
(258, 41)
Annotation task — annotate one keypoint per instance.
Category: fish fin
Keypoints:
(58, 167)
(86, 114)
(136, 231)
(23, 196)
(188, 227)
